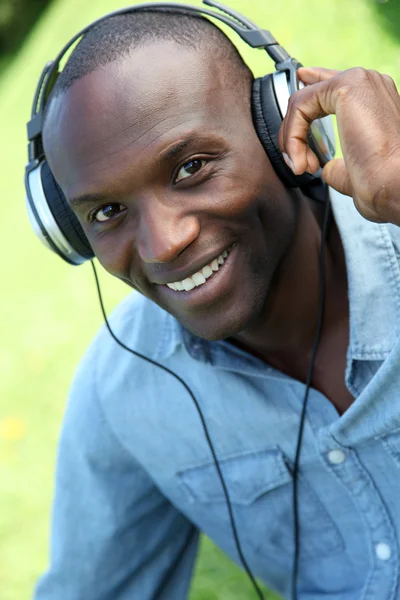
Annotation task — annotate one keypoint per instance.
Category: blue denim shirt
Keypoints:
(136, 481)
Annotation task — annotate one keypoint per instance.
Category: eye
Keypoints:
(106, 212)
(190, 168)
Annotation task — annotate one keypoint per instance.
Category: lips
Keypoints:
(180, 274)
(219, 287)
(200, 277)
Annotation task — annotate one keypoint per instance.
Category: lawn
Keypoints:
(49, 311)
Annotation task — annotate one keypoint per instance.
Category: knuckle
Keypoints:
(372, 74)
(353, 79)
(389, 80)
(296, 100)
(359, 73)
(292, 101)
(344, 90)
(295, 145)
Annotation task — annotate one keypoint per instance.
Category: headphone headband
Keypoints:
(249, 32)
(53, 220)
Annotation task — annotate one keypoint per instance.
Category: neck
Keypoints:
(284, 332)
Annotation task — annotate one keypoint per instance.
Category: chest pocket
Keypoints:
(260, 488)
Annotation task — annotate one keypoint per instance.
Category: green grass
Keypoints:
(49, 311)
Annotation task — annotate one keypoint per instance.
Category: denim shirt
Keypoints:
(135, 477)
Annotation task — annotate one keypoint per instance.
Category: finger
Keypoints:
(312, 162)
(310, 75)
(305, 106)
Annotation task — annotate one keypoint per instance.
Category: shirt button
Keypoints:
(383, 551)
(336, 457)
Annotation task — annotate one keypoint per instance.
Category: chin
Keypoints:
(231, 321)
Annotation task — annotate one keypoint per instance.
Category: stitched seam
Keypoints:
(394, 265)
(383, 435)
(385, 516)
(195, 466)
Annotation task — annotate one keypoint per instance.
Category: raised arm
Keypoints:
(367, 107)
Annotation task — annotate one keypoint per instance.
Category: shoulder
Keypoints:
(105, 368)
(109, 378)
(137, 322)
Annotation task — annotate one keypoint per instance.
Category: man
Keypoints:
(150, 135)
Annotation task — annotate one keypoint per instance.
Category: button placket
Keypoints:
(346, 466)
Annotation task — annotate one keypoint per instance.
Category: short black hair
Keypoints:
(117, 36)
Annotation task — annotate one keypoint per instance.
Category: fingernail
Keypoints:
(289, 162)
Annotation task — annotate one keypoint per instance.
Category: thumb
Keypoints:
(336, 175)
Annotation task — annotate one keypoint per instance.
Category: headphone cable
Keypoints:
(206, 433)
(321, 307)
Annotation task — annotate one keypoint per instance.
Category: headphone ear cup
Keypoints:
(63, 215)
(267, 121)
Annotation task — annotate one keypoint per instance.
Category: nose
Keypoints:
(164, 232)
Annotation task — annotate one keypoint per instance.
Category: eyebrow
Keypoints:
(177, 148)
(88, 199)
(173, 151)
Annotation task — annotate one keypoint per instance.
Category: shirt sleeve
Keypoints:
(114, 535)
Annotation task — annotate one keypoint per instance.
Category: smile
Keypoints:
(200, 277)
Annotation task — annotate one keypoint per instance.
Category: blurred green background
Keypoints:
(49, 310)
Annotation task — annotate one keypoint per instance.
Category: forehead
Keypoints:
(130, 107)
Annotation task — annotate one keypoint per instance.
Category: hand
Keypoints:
(367, 107)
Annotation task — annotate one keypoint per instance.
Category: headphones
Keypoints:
(58, 228)
(53, 220)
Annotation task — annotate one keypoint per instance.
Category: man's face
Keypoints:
(159, 159)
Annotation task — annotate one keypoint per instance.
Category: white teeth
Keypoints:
(188, 284)
(198, 278)
(207, 271)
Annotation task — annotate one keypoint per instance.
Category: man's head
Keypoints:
(149, 133)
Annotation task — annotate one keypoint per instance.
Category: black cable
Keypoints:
(208, 438)
(308, 385)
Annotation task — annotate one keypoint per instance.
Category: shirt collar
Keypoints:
(373, 282)
(171, 338)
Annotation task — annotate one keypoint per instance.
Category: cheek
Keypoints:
(114, 252)
(250, 178)
(255, 200)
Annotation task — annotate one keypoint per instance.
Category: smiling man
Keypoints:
(149, 133)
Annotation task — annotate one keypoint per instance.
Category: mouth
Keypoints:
(206, 284)
(202, 276)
